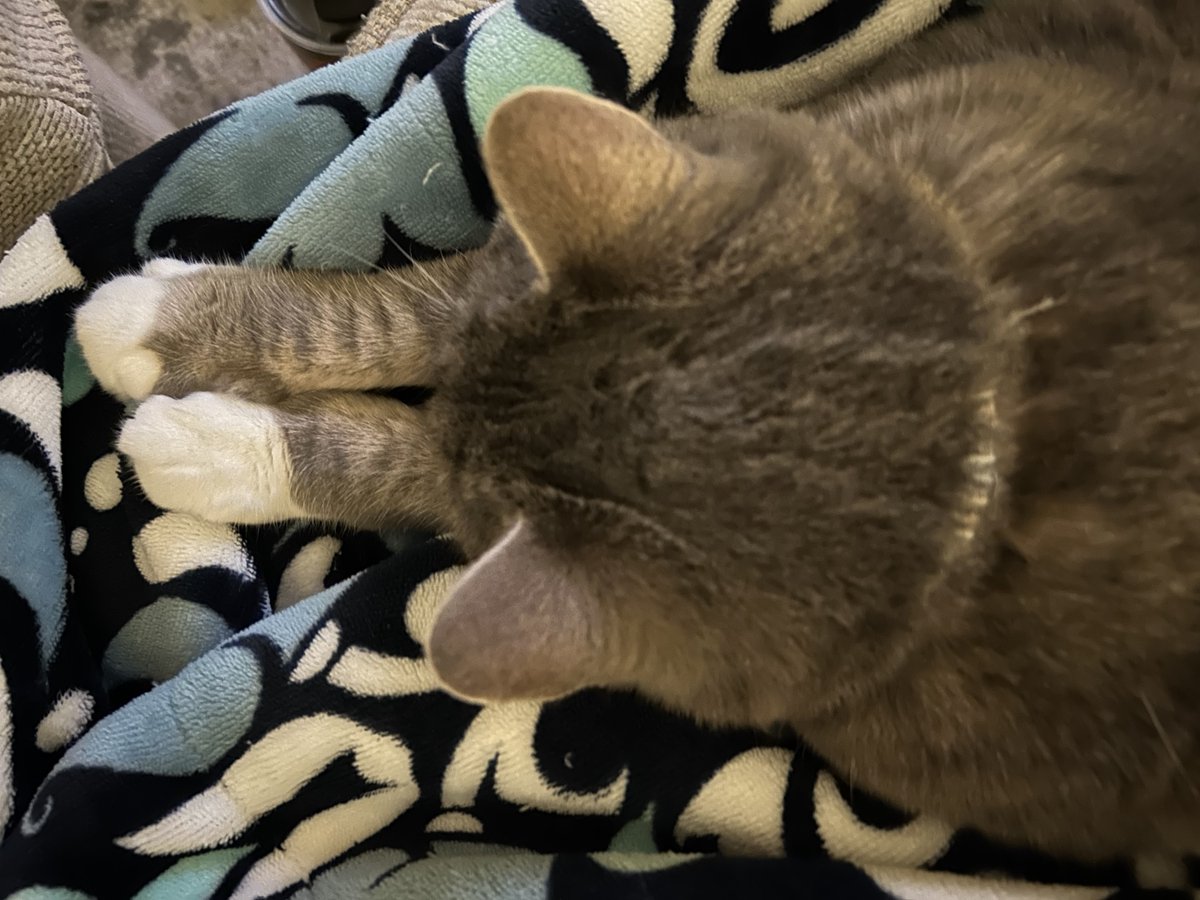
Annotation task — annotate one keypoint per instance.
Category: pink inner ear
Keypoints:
(517, 626)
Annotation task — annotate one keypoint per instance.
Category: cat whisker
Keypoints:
(405, 283)
(417, 266)
(1037, 309)
(392, 275)
(1166, 740)
(360, 259)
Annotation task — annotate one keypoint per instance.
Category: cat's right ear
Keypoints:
(521, 624)
(574, 173)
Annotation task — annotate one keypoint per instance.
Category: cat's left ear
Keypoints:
(574, 173)
(519, 625)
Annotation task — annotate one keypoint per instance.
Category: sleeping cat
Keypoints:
(881, 420)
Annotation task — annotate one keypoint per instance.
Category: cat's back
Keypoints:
(1064, 150)
(1072, 176)
(1029, 119)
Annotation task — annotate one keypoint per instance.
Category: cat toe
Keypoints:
(112, 326)
(217, 457)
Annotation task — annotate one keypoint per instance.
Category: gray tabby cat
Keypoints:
(881, 420)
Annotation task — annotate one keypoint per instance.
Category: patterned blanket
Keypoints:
(190, 710)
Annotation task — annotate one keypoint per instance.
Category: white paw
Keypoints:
(113, 324)
(214, 456)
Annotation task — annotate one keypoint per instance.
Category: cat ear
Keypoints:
(518, 625)
(574, 173)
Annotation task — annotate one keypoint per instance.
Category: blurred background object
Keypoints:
(183, 58)
(318, 26)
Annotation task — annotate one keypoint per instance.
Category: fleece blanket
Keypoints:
(191, 710)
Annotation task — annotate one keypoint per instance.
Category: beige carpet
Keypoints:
(186, 58)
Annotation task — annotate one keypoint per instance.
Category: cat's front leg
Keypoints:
(362, 460)
(177, 327)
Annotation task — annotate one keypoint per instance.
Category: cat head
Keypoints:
(708, 415)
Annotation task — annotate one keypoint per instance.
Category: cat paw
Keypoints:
(112, 326)
(215, 456)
